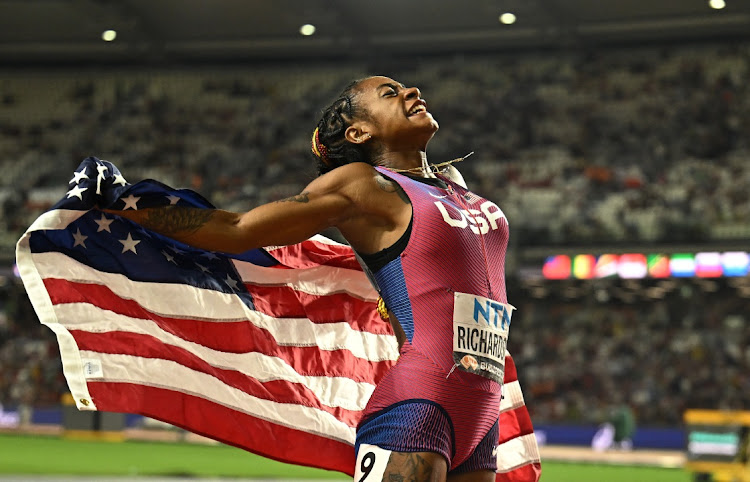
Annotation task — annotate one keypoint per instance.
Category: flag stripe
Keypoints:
(282, 390)
(514, 422)
(286, 302)
(232, 337)
(316, 251)
(529, 472)
(285, 331)
(517, 452)
(257, 364)
(512, 395)
(321, 280)
(510, 369)
(227, 424)
(168, 299)
(170, 375)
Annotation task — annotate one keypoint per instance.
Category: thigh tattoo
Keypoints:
(375, 464)
(407, 467)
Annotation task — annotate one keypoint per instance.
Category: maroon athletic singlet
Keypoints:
(447, 289)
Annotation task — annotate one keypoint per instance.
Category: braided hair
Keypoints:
(329, 145)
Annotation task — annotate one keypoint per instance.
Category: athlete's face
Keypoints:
(398, 115)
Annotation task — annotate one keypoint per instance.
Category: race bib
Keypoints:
(480, 335)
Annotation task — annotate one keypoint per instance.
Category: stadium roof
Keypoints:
(43, 31)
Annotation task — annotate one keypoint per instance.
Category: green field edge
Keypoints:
(51, 455)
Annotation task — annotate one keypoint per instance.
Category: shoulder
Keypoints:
(345, 177)
(352, 170)
(361, 184)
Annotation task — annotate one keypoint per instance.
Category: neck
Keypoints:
(415, 162)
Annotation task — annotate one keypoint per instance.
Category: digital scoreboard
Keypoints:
(717, 444)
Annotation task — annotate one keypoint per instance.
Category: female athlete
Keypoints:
(434, 251)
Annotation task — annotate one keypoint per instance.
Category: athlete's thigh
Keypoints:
(379, 465)
(476, 476)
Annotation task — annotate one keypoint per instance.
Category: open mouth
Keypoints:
(419, 107)
(416, 110)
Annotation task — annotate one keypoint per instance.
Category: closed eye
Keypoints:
(391, 90)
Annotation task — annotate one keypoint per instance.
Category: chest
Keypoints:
(457, 212)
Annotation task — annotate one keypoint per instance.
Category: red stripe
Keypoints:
(310, 254)
(510, 370)
(232, 337)
(224, 424)
(525, 473)
(145, 346)
(286, 302)
(514, 423)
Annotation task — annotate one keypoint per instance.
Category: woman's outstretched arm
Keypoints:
(324, 202)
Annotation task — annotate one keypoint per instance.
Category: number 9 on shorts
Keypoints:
(371, 463)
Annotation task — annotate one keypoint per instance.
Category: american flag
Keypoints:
(275, 351)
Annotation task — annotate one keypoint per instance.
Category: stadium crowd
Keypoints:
(659, 348)
(647, 144)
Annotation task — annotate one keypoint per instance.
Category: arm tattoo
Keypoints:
(171, 220)
(389, 186)
(303, 197)
(407, 467)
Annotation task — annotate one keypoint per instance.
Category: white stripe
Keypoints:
(155, 372)
(512, 397)
(319, 238)
(517, 452)
(176, 300)
(320, 280)
(40, 300)
(332, 391)
(57, 219)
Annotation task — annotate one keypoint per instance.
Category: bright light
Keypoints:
(307, 29)
(717, 4)
(507, 18)
(109, 35)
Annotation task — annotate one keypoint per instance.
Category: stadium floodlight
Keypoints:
(717, 4)
(508, 18)
(109, 35)
(307, 29)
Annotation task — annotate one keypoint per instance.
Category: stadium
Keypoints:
(614, 137)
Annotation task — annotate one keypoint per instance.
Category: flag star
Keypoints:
(209, 255)
(169, 257)
(101, 169)
(128, 244)
(203, 268)
(76, 191)
(78, 175)
(231, 282)
(177, 250)
(173, 200)
(103, 223)
(80, 239)
(119, 180)
(130, 202)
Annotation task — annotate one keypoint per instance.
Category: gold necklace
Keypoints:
(434, 168)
